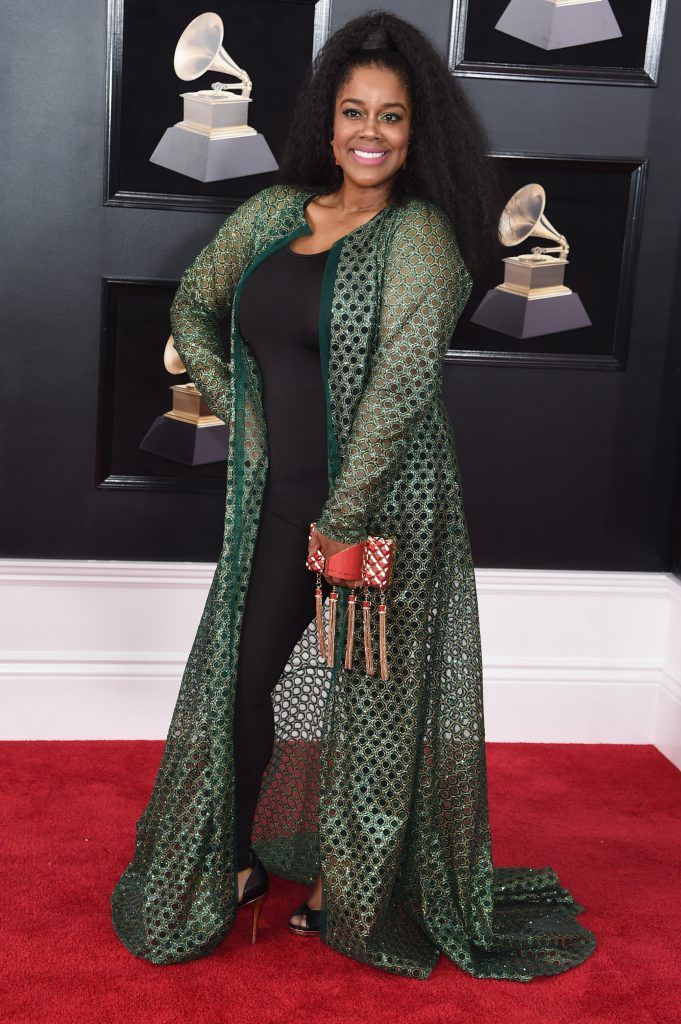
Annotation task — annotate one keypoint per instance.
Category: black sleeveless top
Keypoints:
(278, 320)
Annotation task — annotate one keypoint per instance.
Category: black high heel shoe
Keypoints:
(256, 889)
(311, 926)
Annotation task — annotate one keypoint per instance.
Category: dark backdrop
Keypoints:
(562, 468)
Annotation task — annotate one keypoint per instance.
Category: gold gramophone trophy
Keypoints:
(553, 24)
(213, 141)
(189, 432)
(532, 299)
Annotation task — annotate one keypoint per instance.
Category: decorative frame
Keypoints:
(117, 439)
(602, 74)
(114, 194)
(613, 354)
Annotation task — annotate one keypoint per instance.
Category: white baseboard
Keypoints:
(96, 649)
(570, 701)
(668, 716)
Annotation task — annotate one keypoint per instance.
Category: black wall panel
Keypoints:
(562, 467)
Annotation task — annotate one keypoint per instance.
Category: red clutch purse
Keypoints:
(371, 562)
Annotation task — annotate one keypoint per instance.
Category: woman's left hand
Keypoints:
(328, 547)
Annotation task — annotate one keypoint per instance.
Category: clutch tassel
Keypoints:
(349, 642)
(331, 643)
(319, 616)
(366, 619)
(382, 642)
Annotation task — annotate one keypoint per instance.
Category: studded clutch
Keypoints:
(371, 562)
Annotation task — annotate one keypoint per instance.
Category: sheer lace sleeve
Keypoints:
(204, 296)
(426, 285)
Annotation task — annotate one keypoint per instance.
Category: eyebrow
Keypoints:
(352, 99)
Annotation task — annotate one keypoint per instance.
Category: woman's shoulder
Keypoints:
(270, 210)
(419, 212)
(424, 221)
(278, 196)
(425, 229)
(270, 201)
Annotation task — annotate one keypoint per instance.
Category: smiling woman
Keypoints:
(407, 106)
(370, 143)
(379, 135)
(371, 789)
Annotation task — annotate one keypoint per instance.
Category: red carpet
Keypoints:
(605, 817)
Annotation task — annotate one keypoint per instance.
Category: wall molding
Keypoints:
(95, 650)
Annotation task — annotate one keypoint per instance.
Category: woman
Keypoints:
(343, 284)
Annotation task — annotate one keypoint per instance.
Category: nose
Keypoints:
(371, 128)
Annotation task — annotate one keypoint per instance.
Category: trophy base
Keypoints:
(195, 155)
(215, 110)
(553, 25)
(520, 316)
(186, 442)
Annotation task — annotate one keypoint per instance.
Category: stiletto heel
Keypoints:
(256, 889)
(257, 907)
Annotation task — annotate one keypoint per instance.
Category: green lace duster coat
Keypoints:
(382, 784)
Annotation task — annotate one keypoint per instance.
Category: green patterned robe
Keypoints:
(381, 784)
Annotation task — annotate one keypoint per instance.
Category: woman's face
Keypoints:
(372, 115)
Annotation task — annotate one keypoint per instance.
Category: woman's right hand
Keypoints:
(329, 547)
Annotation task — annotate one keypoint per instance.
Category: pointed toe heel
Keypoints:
(255, 892)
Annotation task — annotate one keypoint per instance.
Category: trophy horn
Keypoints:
(199, 49)
(524, 215)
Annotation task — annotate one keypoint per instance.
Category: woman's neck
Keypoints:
(349, 199)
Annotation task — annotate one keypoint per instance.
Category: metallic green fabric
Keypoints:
(382, 784)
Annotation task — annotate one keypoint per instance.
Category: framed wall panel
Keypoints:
(273, 40)
(134, 390)
(597, 204)
(477, 48)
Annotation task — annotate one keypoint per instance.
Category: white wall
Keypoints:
(96, 649)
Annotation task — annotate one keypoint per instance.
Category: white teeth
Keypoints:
(373, 156)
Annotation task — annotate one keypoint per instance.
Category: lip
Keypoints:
(371, 159)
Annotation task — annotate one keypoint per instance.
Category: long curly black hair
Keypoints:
(447, 161)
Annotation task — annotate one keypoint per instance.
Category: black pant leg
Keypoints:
(279, 605)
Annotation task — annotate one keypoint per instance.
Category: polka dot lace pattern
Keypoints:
(382, 784)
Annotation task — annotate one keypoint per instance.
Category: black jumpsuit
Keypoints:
(278, 318)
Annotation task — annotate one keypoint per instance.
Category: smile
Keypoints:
(368, 157)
